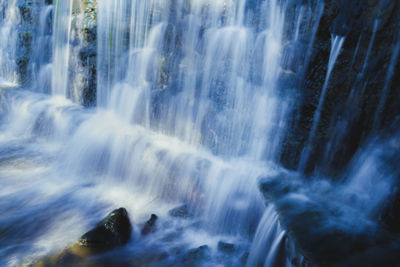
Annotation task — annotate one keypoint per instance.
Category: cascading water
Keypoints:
(9, 20)
(41, 67)
(61, 46)
(205, 65)
(176, 121)
(267, 241)
(193, 100)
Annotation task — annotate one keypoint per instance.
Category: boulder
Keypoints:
(195, 256)
(149, 226)
(114, 230)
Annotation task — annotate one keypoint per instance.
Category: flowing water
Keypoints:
(190, 110)
(9, 19)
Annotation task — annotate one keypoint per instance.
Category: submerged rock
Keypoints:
(195, 256)
(150, 225)
(226, 247)
(180, 212)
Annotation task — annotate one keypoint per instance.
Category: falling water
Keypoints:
(191, 111)
(267, 243)
(371, 43)
(9, 20)
(61, 46)
(41, 68)
(386, 87)
(336, 46)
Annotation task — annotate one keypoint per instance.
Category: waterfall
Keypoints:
(41, 68)
(9, 20)
(267, 243)
(61, 46)
(192, 101)
(189, 111)
(191, 71)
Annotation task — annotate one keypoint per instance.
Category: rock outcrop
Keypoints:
(113, 231)
(355, 88)
(326, 230)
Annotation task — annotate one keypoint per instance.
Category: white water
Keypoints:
(9, 20)
(189, 113)
(41, 67)
(61, 46)
(267, 243)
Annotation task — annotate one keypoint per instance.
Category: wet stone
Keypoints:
(180, 212)
(149, 226)
(196, 255)
(226, 247)
(114, 230)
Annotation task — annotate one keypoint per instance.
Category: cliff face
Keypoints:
(361, 84)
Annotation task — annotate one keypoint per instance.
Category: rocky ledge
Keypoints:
(326, 227)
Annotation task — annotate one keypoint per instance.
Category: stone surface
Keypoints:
(150, 225)
(114, 230)
(180, 212)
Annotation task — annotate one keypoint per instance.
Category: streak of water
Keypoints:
(9, 20)
(386, 87)
(336, 46)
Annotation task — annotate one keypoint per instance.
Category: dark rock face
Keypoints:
(326, 229)
(355, 87)
(115, 230)
(149, 226)
(88, 59)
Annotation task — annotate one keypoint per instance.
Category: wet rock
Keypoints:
(226, 247)
(25, 40)
(195, 256)
(26, 12)
(112, 231)
(150, 225)
(355, 19)
(22, 63)
(244, 258)
(277, 186)
(115, 230)
(180, 212)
